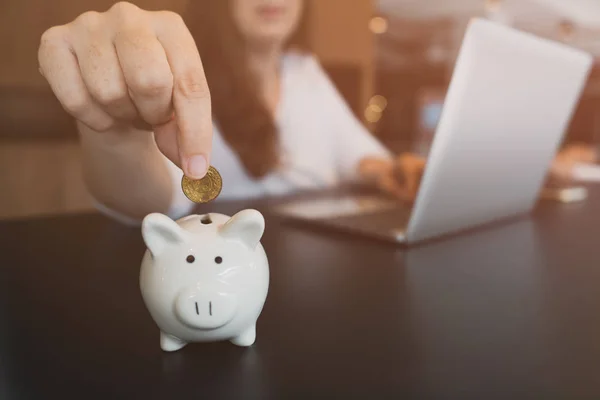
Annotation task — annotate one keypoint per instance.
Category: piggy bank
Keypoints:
(204, 278)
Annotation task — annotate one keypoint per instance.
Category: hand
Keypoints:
(399, 177)
(126, 66)
(563, 164)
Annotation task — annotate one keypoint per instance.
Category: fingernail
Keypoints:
(197, 167)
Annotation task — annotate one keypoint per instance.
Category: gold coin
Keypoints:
(205, 189)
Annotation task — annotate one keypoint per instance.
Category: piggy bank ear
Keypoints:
(246, 226)
(160, 231)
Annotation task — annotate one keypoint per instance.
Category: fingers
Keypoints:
(388, 184)
(388, 177)
(165, 137)
(561, 168)
(371, 168)
(103, 77)
(146, 72)
(60, 67)
(411, 168)
(401, 180)
(191, 95)
(578, 154)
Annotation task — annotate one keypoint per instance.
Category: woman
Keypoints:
(154, 100)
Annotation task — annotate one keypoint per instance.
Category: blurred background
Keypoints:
(391, 59)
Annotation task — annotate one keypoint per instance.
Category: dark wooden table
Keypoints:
(508, 312)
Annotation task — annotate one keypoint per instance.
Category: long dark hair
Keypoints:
(239, 112)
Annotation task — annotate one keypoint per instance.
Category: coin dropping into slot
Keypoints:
(203, 190)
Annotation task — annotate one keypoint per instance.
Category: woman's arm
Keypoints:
(125, 172)
(353, 140)
(360, 155)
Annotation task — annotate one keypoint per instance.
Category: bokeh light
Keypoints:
(373, 113)
(378, 25)
(378, 101)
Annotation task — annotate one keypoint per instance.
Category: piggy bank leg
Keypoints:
(246, 338)
(170, 343)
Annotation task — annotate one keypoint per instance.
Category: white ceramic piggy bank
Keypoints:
(204, 278)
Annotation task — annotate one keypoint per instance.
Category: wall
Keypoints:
(22, 23)
(340, 35)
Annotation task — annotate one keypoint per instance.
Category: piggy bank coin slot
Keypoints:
(206, 220)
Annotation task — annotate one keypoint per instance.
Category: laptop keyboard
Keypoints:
(385, 220)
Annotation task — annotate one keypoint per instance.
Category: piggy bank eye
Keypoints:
(190, 259)
(218, 260)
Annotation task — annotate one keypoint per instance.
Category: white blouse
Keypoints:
(321, 141)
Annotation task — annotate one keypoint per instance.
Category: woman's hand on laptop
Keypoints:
(400, 177)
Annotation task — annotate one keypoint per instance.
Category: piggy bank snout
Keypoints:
(205, 309)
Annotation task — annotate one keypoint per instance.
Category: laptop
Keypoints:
(510, 101)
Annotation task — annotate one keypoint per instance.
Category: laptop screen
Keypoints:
(430, 103)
